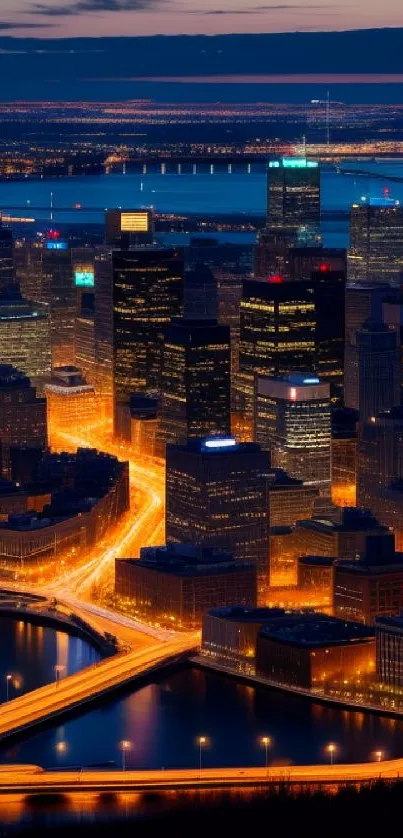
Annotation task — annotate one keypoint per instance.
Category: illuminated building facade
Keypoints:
(292, 421)
(277, 331)
(329, 290)
(315, 572)
(376, 241)
(307, 652)
(22, 415)
(392, 316)
(342, 535)
(71, 402)
(103, 323)
(389, 650)
(177, 584)
(378, 365)
(196, 380)
(84, 340)
(147, 295)
(293, 197)
(25, 336)
(229, 634)
(289, 500)
(46, 270)
(124, 228)
(216, 495)
(145, 427)
(372, 586)
(363, 301)
(6, 257)
(344, 456)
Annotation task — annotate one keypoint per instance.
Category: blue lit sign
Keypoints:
(228, 442)
(311, 381)
(56, 245)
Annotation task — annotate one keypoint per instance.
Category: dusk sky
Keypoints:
(66, 18)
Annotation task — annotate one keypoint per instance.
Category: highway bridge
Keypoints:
(32, 779)
(75, 691)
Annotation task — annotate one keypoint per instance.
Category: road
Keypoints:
(34, 779)
(76, 690)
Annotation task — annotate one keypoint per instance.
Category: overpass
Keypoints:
(32, 779)
(75, 691)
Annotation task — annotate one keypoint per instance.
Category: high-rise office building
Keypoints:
(125, 227)
(304, 261)
(378, 363)
(71, 401)
(147, 295)
(292, 421)
(22, 416)
(196, 380)
(103, 323)
(51, 273)
(293, 196)
(376, 241)
(344, 456)
(216, 495)
(363, 301)
(25, 336)
(380, 469)
(329, 293)
(84, 340)
(392, 316)
(6, 257)
(200, 293)
(277, 331)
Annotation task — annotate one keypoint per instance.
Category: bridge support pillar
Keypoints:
(144, 168)
(163, 168)
(211, 168)
(179, 168)
(194, 169)
(230, 168)
(249, 168)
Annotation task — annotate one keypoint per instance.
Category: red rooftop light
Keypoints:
(53, 234)
(324, 267)
(275, 279)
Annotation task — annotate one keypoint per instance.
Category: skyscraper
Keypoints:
(378, 359)
(329, 293)
(277, 331)
(293, 197)
(22, 416)
(304, 261)
(25, 336)
(84, 340)
(125, 227)
(363, 301)
(292, 421)
(200, 293)
(6, 257)
(196, 380)
(216, 495)
(376, 241)
(147, 295)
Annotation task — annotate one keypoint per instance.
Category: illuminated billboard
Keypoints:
(56, 245)
(84, 277)
(135, 222)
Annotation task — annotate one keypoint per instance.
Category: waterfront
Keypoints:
(163, 719)
(83, 200)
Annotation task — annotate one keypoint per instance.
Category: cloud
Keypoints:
(260, 10)
(79, 6)
(7, 25)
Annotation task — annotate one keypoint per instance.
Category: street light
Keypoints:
(58, 669)
(202, 742)
(379, 756)
(125, 746)
(331, 749)
(265, 743)
(9, 678)
(61, 747)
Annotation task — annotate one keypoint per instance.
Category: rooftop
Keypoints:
(314, 631)
(216, 445)
(317, 561)
(187, 560)
(246, 614)
(346, 519)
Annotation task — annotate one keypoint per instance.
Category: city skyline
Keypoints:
(91, 18)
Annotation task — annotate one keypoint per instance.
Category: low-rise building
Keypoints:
(176, 584)
(371, 586)
(229, 634)
(315, 573)
(389, 650)
(309, 652)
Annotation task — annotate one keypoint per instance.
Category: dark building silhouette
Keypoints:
(22, 416)
(378, 366)
(6, 257)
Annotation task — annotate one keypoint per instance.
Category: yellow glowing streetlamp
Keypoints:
(202, 742)
(125, 746)
(61, 747)
(379, 756)
(265, 742)
(58, 669)
(9, 678)
(331, 749)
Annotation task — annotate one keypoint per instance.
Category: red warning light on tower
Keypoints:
(275, 279)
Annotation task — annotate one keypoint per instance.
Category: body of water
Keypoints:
(163, 719)
(185, 193)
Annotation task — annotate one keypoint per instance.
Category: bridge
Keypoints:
(32, 779)
(376, 175)
(56, 699)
